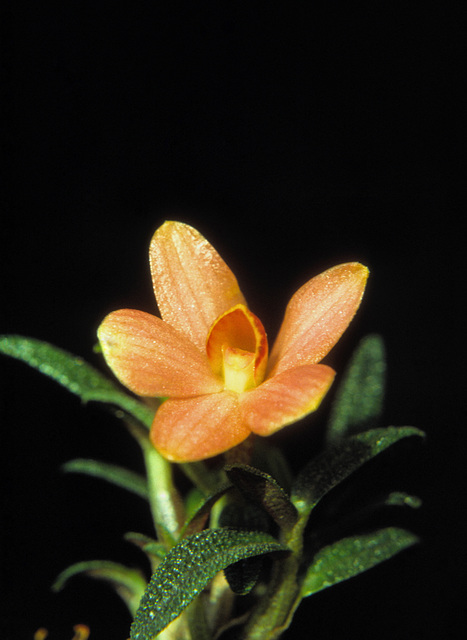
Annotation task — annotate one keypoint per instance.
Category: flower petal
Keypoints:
(317, 315)
(152, 359)
(192, 283)
(185, 430)
(285, 398)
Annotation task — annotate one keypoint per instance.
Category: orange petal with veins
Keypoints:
(285, 398)
(186, 430)
(317, 315)
(192, 284)
(153, 359)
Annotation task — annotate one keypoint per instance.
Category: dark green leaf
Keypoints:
(75, 374)
(111, 473)
(237, 514)
(351, 556)
(128, 583)
(243, 575)
(272, 460)
(188, 568)
(340, 460)
(359, 399)
(262, 489)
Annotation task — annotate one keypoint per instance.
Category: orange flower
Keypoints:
(209, 353)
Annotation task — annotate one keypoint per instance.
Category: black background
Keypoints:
(293, 138)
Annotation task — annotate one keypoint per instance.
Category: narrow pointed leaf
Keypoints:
(188, 568)
(349, 557)
(143, 541)
(243, 575)
(111, 473)
(154, 550)
(262, 489)
(272, 460)
(359, 399)
(248, 516)
(128, 583)
(337, 462)
(74, 374)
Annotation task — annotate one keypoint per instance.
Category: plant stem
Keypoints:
(166, 504)
(274, 612)
(165, 501)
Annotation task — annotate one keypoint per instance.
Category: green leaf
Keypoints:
(111, 473)
(237, 514)
(349, 557)
(153, 549)
(243, 575)
(128, 583)
(145, 542)
(358, 403)
(188, 568)
(262, 489)
(272, 460)
(340, 460)
(74, 374)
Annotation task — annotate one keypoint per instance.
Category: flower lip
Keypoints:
(238, 369)
(237, 347)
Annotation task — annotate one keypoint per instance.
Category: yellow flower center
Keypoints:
(237, 349)
(239, 369)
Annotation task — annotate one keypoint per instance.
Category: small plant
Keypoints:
(206, 393)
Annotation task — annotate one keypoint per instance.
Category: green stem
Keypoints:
(274, 612)
(164, 499)
(166, 504)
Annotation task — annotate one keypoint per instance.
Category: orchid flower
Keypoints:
(208, 353)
